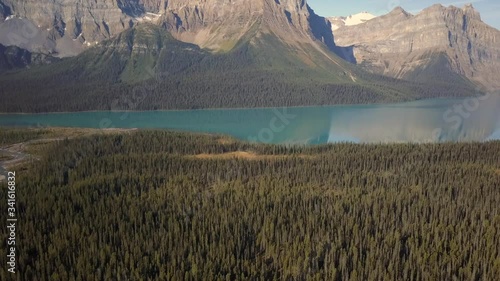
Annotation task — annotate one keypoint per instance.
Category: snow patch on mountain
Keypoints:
(152, 17)
(338, 22)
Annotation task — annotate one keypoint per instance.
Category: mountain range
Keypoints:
(436, 44)
(70, 55)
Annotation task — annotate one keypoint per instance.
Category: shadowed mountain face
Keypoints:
(4, 12)
(13, 57)
(439, 41)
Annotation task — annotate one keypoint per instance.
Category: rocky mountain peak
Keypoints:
(397, 14)
(435, 7)
(471, 12)
(467, 11)
(398, 10)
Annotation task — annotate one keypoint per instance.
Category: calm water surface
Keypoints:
(419, 121)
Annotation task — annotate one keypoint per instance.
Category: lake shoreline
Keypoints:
(242, 108)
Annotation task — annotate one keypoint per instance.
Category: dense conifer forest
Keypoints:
(219, 89)
(155, 205)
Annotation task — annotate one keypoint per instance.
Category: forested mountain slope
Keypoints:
(260, 71)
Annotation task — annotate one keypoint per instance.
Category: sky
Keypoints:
(489, 9)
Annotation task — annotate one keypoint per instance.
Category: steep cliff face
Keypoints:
(84, 22)
(398, 44)
(220, 24)
(98, 19)
(217, 24)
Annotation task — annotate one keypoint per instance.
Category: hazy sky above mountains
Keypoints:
(489, 9)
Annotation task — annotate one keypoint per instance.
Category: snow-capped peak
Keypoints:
(356, 19)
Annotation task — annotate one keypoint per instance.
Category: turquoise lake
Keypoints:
(473, 119)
